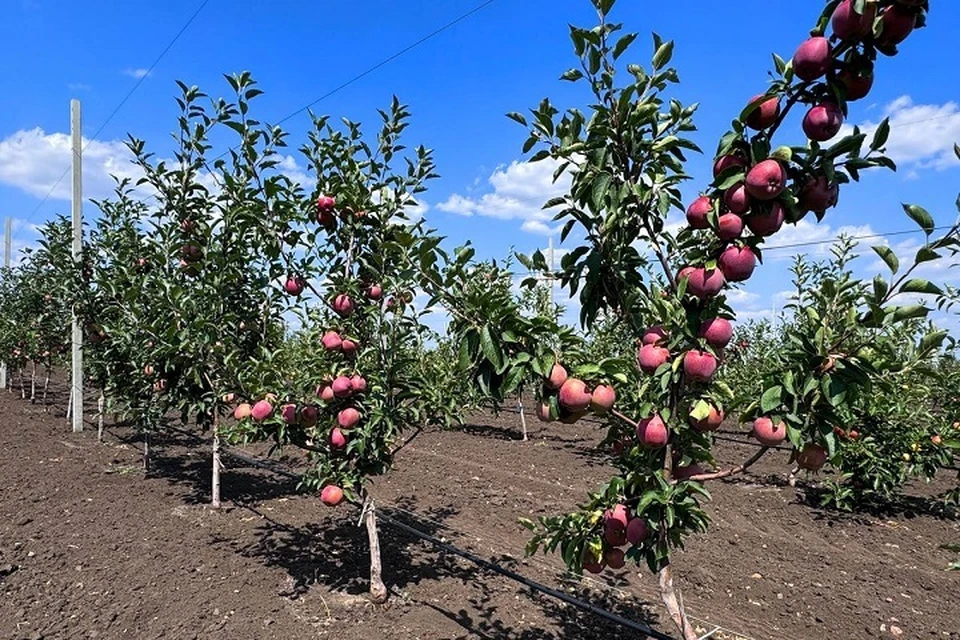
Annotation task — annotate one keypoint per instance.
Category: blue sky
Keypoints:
(459, 84)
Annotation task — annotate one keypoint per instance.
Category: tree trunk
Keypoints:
(100, 403)
(215, 481)
(33, 383)
(673, 602)
(523, 418)
(70, 403)
(146, 452)
(46, 385)
(23, 387)
(378, 591)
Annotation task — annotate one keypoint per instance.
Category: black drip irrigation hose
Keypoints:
(645, 630)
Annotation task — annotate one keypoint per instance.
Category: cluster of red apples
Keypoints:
(573, 398)
(827, 68)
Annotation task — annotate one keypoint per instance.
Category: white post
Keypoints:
(76, 371)
(8, 231)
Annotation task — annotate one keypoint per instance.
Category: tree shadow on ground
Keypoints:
(484, 619)
(897, 506)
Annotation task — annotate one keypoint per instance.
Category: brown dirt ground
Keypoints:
(89, 548)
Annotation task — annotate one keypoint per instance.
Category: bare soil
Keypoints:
(90, 548)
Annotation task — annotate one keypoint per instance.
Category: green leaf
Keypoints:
(663, 55)
(926, 254)
(909, 312)
(517, 117)
(490, 349)
(920, 216)
(889, 257)
(880, 135)
(622, 44)
(600, 186)
(770, 399)
(920, 285)
(572, 75)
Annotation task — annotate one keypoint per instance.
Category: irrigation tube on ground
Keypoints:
(532, 584)
(646, 631)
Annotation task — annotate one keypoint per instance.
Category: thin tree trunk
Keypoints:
(146, 452)
(46, 385)
(23, 387)
(378, 591)
(100, 403)
(215, 483)
(70, 403)
(523, 418)
(674, 604)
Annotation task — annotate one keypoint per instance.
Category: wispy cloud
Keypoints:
(137, 72)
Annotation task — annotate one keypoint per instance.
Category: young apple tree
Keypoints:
(625, 159)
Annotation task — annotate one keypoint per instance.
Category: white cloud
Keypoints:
(34, 161)
(519, 193)
(922, 135)
(813, 239)
(137, 73)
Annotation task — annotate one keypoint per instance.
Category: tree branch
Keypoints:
(740, 468)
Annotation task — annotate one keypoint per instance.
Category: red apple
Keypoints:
(711, 423)
(850, 25)
(261, 410)
(737, 199)
(766, 223)
(768, 433)
(717, 332)
(332, 341)
(614, 558)
(342, 387)
(348, 418)
(337, 439)
(652, 432)
(766, 180)
(812, 59)
(349, 347)
(359, 383)
(343, 305)
(331, 495)
(765, 114)
(697, 212)
(574, 395)
(699, 365)
(897, 23)
(729, 227)
(289, 413)
(818, 195)
(857, 84)
(637, 531)
(812, 457)
(651, 356)
(737, 263)
(374, 292)
(725, 162)
(823, 121)
(294, 285)
(705, 283)
(308, 415)
(654, 335)
(558, 375)
(325, 392)
(242, 412)
(615, 533)
(602, 399)
(543, 412)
